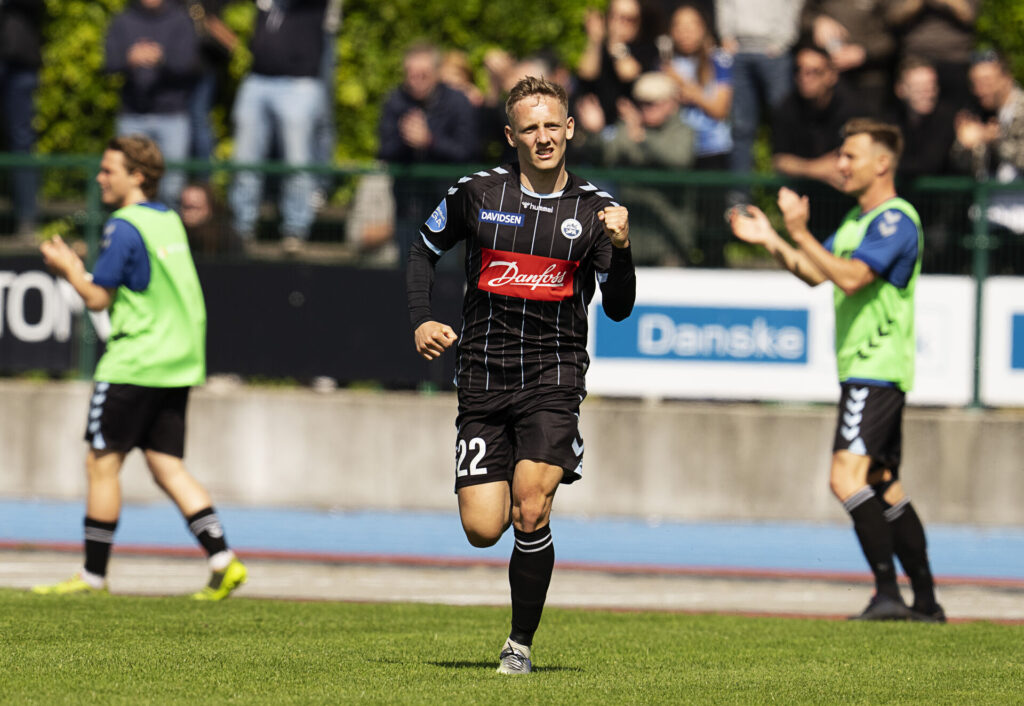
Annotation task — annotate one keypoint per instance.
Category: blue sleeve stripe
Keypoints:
(436, 250)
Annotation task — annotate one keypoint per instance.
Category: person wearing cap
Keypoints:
(650, 133)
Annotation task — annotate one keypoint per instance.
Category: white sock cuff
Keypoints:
(525, 649)
(220, 560)
(94, 580)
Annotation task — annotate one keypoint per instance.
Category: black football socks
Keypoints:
(912, 549)
(529, 574)
(206, 527)
(875, 538)
(99, 537)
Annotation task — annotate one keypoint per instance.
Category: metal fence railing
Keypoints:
(367, 215)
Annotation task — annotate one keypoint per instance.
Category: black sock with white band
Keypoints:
(99, 538)
(875, 538)
(912, 549)
(529, 574)
(206, 527)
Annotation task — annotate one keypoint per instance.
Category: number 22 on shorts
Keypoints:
(475, 449)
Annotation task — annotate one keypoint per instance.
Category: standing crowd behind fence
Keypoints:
(679, 87)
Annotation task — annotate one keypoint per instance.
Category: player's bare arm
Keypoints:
(66, 263)
(616, 225)
(849, 275)
(433, 338)
(751, 225)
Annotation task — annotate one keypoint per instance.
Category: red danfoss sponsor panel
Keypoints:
(525, 276)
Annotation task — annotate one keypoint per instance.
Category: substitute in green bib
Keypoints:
(873, 260)
(155, 354)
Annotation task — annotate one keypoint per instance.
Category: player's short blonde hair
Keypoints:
(141, 155)
(885, 134)
(533, 86)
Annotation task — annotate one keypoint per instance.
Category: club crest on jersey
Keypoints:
(439, 218)
(571, 228)
(502, 218)
(526, 276)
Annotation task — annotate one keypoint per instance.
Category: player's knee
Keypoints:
(481, 539)
(483, 532)
(848, 474)
(531, 513)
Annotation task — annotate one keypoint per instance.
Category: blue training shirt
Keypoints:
(123, 259)
(889, 247)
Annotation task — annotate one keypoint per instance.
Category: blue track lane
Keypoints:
(956, 551)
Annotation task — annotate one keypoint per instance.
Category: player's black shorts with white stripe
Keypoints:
(122, 417)
(499, 428)
(871, 424)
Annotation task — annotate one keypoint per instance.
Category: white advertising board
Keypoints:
(1002, 342)
(745, 335)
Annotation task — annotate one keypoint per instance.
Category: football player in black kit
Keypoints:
(538, 242)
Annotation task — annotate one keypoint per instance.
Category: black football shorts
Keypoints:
(122, 417)
(498, 429)
(871, 424)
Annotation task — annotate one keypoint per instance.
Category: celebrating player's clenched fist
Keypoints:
(433, 338)
(616, 224)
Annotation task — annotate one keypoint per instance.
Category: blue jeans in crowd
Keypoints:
(289, 108)
(199, 105)
(17, 88)
(171, 133)
(757, 80)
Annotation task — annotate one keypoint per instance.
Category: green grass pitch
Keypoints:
(133, 650)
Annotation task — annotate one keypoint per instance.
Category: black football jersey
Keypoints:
(532, 264)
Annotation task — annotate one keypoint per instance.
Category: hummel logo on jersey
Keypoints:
(538, 207)
(502, 218)
(526, 276)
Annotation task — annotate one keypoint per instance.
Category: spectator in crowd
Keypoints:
(861, 44)
(424, 120)
(703, 76)
(941, 32)
(205, 219)
(153, 44)
(651, 132)
(926, 121)
(282, 96)
(995, 148)
(759, 35)
(216, 44)
(455, 72)
(805, 128)
(617, 52)
(20, 58)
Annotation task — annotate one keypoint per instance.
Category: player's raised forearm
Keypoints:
(95, 297)
(795, 261)
(849, 275)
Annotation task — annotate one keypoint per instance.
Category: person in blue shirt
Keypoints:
(703, 73)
